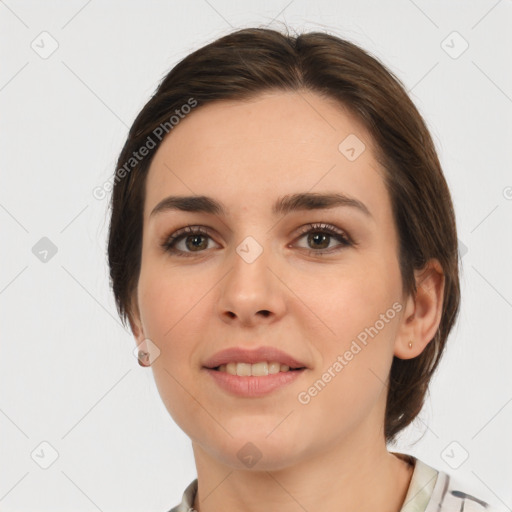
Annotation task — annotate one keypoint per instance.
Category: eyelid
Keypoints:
(323, 226)
(344, 240)
(189, 229)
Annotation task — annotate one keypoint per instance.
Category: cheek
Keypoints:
(168, 308)
(167, 304)
(344, 303)
(351, 319)
(355, 361)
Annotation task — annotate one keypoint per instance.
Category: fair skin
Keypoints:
(332, 450)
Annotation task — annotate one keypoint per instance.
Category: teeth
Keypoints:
(256, 370)
(274, 368)
(243, 369)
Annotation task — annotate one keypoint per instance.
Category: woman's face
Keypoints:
(255, 279)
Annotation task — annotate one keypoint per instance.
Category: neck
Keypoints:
(344, 477)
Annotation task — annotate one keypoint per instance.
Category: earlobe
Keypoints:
(423, 312)
(143, 353)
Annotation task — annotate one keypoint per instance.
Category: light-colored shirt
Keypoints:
(430, 490)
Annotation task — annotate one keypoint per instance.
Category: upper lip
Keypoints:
(243, 355)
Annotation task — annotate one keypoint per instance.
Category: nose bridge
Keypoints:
(251, 287)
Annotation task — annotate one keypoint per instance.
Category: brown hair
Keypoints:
(255, 60)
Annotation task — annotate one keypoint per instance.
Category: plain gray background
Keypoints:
(71, 388)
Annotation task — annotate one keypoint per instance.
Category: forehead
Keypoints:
(246, 153)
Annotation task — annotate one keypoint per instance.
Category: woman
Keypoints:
(283, 245)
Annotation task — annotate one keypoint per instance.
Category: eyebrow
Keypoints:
(283, 205)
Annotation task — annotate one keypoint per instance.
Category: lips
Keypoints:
(241, 355)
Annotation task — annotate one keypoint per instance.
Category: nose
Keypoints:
(252, 292)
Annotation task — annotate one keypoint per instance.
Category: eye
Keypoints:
(196, 239)
(193, 236)
(320, 235)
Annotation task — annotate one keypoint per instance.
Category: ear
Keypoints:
(136, 325)
(422, 313)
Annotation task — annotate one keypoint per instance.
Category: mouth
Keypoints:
(256, 362)
(254, 376)
(260, 369)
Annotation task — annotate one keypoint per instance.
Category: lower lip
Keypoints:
(253, 386)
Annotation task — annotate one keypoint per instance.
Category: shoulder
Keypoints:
(441, 492)
(188, 499)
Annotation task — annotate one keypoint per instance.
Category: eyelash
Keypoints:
(345, 241)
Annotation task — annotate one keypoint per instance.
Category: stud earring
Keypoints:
(410, 344)
(143, 358)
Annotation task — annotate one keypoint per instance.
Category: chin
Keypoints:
(257, 451)
(251, 458)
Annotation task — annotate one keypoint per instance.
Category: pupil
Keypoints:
(319, 237)
(195, 238)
